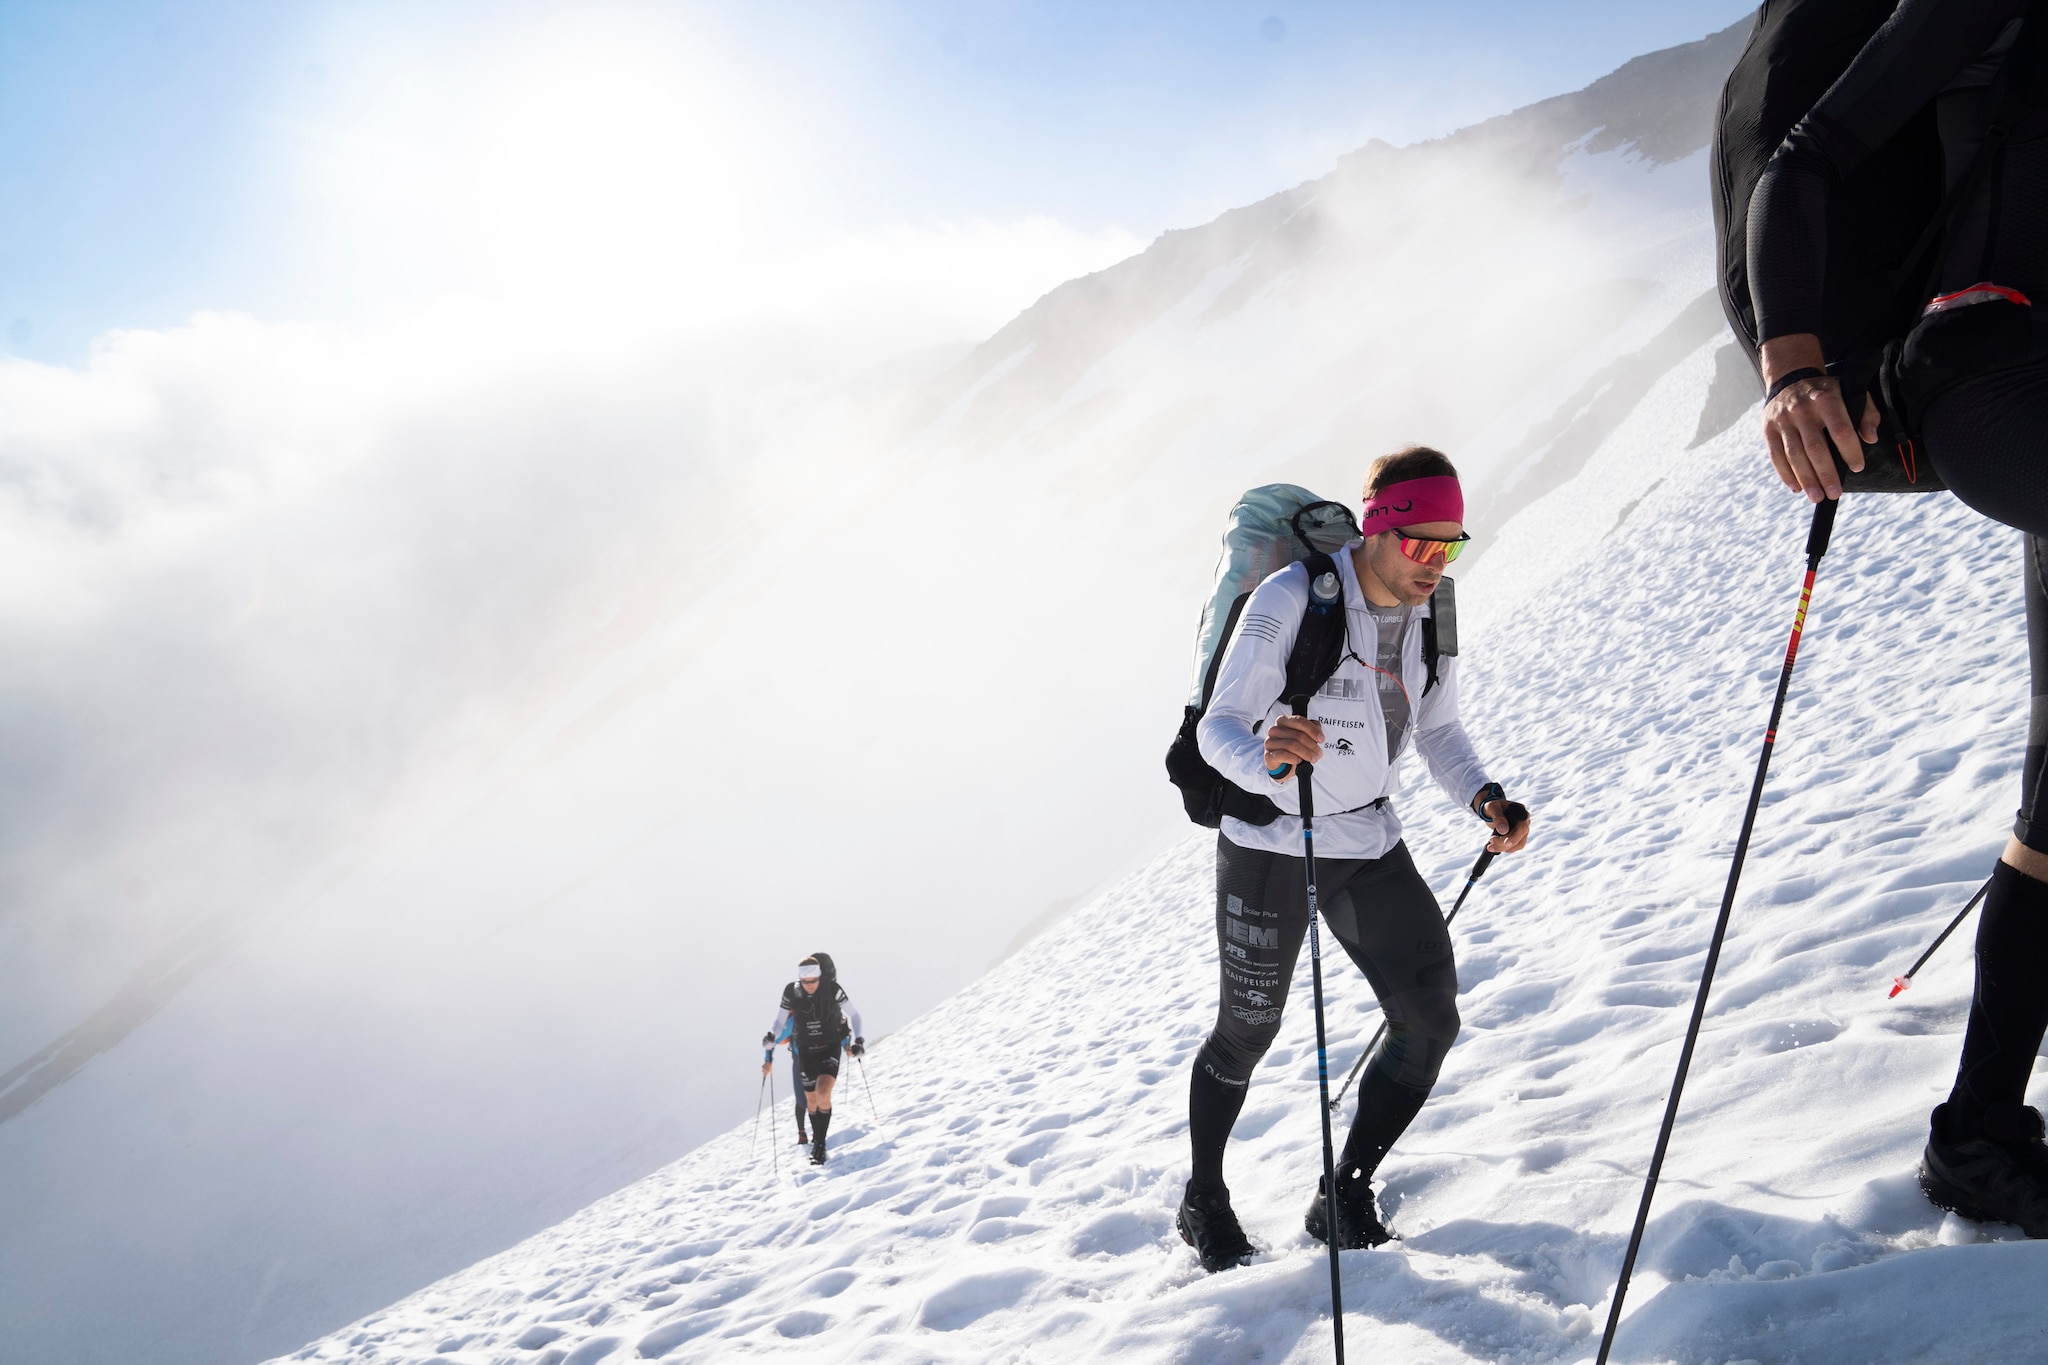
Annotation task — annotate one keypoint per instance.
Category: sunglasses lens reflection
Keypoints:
(1424, 551)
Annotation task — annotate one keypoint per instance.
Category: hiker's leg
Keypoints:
(1261, 918)
(2009, 1008)
(1390, 925)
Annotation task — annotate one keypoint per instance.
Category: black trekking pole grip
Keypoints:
(1297, 706)
(1822, 530)
(1816, 546)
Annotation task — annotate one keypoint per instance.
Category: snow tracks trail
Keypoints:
(1016, 1202)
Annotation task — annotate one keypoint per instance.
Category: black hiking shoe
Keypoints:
(1997, 1175)
(1209, 1225)
(818, 1150)
(1358, 1217)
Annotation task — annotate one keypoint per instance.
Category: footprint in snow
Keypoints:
(973, 1297)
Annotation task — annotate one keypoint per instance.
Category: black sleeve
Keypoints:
(789, 996)
(1906, 63)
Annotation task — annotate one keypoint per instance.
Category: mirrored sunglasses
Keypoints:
(1424, 550)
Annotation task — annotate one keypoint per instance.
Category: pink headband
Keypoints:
(1412, 502)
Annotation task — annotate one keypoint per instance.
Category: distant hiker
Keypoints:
(821, 1021)
(1379, 704)
(1972, 385)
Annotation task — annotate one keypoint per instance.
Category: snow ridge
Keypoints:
(1012, 1199)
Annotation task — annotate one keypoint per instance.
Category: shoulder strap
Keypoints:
(1440, 629)
(1222, 644)
(2009, 96)
(1319, 644)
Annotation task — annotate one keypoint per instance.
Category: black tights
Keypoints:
(1985, 437)
(2009, 1009)
(1383, 914)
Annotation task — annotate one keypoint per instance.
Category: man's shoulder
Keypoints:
(1283, 592)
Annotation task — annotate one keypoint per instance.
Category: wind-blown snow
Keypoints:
(1012, 1199)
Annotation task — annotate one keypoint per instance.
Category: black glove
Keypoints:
(859, 1047)
(768, 1040)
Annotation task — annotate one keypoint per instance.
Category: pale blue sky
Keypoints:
(154, 155)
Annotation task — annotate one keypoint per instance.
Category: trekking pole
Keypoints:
(755, 1140)
(1304, 774)
(1816, 546)
(775, 1148)
(868, 1086)
(1486, 857)
(1900, 983)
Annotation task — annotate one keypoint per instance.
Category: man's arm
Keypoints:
(1456, 766)
(1906, 63)
(852, 1013)
(1253, 673)
(775, 1034)
(1441, 739)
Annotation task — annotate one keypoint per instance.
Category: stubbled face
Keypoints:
(1409, 583)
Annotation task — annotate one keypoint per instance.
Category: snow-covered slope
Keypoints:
(510, 987)
(1007, 1196)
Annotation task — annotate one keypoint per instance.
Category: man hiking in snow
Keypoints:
(1985, 434)
(1376, 707)
(821, 1020)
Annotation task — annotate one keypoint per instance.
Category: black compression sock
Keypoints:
(2009, 1010)
(1213, 1107)
(820, 1121)
(1385, 1109)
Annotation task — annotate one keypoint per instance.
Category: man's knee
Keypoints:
(1230, 1058)
(1439, 1019)
(1421, 1029)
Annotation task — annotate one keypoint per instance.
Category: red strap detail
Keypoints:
(1964, 297)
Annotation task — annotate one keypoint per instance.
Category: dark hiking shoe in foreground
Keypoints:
(818, 1150)
(1209, 1225)
(1358, 1217)
(1995, 1174)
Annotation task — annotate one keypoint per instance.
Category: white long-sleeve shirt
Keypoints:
(1355, 770)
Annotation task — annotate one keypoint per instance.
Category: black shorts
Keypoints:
(811, 1065)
